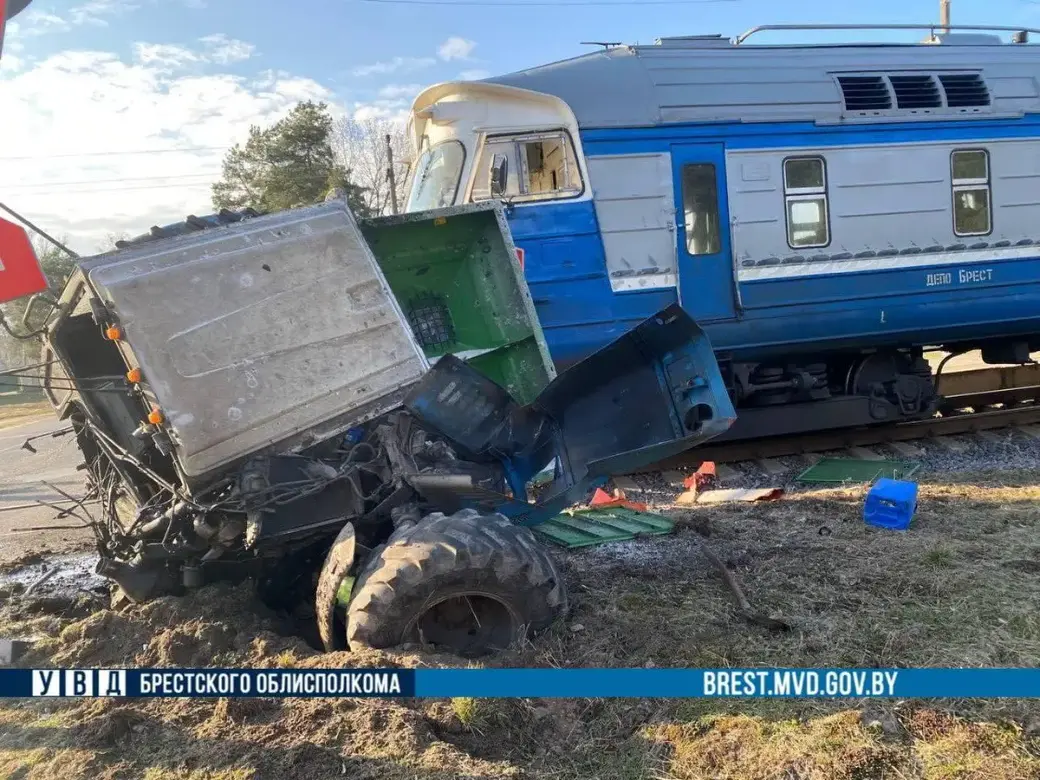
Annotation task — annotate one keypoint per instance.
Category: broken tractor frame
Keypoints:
(352, 413)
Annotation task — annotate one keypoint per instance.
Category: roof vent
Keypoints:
(969, 39)
(693, 41)
(916, 91)
(964, 90)
(865, 93)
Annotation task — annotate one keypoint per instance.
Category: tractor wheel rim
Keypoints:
(469, 623)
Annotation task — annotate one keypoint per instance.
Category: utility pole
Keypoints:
(944, 16)
(390, 175)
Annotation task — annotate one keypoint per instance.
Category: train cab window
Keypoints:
(436, 178)
(805, 197)
(701, 209)
(536, 166)
(971, 192)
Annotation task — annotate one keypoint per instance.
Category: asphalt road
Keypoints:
(22, 475)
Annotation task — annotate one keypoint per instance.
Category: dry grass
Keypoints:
(959, 589)
(12, 414)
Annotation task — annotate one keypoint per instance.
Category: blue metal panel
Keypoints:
(771, 135)
(706, 288)
(653, 393)
(923, 319)
(566, 269)
(890, 284)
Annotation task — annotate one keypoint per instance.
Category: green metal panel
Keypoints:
(455, 275)
(856, 470)
(586, 527)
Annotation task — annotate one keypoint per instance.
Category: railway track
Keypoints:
(978, 400)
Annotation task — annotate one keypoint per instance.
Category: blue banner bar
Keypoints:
(525, 683)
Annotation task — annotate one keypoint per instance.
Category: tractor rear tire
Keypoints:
(468, 583)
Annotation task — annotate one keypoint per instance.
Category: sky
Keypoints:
(115, 114)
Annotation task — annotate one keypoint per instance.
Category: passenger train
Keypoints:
(828, 213)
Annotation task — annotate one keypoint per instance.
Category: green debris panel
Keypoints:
(586, 527)
(343, 592)
(455, 275)
(841, 470)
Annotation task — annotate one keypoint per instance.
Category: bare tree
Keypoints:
(110, 241)
(360, 146)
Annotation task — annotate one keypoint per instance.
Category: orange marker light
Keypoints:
(113, 333)
(133, 375)
(438, 221)
(155, 417)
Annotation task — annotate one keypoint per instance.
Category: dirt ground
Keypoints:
(959, 589)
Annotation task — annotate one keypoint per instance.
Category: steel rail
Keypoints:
(842, 438)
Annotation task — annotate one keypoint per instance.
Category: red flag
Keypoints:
(20, 272)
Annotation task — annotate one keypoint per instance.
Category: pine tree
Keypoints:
(286, 165)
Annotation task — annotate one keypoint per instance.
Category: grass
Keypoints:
(959, 588)
(467, 710)
(14, 411)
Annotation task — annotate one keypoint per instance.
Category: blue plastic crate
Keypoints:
(891, 504)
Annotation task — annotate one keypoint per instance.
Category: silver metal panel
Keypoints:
(881, 198)
(277, 329)
(639, 86)
(635, 208)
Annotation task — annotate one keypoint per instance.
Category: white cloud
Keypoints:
(456, 48)
(164, 55)
(40, 22)
(396, 109)
(11, 63)
(90, 12)
(94, 11)
(224, 50)
(12, 47)
(474, 75)
(397, 64)
(218, 49)
(407, 91)
(62, 111)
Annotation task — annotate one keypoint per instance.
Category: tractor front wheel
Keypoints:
(468, 583)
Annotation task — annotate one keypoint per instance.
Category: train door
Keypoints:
(703, 253)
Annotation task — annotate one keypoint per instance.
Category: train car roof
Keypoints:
(713, 79)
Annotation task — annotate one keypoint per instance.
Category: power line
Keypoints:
(207, 174)
(82, 191)
(522, 4)
(116, 153)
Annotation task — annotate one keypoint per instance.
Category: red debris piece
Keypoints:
(20, 273)
(704, 474)
(601, 499)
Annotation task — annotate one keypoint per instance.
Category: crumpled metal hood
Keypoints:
(277, 331)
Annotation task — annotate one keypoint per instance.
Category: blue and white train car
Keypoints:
(826, 212)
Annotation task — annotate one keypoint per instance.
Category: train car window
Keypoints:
(540, 166)
(701, 208)
(805, 197)
(971, 192)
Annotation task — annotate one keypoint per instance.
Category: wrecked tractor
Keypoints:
(352, 413)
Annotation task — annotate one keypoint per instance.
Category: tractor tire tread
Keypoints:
(465, 550)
